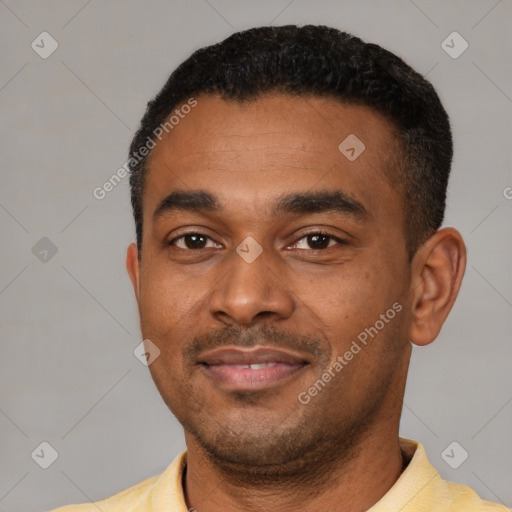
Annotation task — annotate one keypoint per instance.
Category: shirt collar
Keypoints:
(168, 491)
(418, 476)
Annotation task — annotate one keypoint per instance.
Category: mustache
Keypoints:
(262, 336)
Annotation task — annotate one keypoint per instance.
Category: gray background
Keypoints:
(68, 375)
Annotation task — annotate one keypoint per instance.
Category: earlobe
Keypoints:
(133, 267)
(438, 269)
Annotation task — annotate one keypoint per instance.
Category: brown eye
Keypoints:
(318, 241)
(191, 241)
(195, 241)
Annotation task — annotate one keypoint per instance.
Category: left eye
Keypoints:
(318, 241)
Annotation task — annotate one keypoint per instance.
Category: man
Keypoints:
(288, 188)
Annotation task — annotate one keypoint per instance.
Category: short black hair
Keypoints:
(321, 61)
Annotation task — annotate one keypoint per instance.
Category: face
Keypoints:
(274, 277)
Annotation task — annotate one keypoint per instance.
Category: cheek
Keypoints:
(352, 292)
(167, 297)
(348, 304)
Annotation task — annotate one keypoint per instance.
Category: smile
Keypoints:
(238, 370)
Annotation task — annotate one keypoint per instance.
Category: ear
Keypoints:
(438, 269)
(133, 268)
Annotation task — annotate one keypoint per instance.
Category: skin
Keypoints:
(262, 449)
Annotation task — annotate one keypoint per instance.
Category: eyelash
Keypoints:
(312, 233)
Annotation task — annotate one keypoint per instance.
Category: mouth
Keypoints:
(251, 369)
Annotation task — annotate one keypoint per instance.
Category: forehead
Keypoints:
(259, 149)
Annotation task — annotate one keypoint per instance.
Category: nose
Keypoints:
(251, 292)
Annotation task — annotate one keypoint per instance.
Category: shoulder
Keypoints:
(160, 492)
(127, 498)
(420, 487)
(465, 499)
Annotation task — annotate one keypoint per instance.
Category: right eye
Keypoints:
(191, 241)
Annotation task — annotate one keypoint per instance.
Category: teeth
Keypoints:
(254, 366)
(261, 365)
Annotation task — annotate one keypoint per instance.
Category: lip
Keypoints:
(230, 367)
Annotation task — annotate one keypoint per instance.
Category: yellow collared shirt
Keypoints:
(419, 489)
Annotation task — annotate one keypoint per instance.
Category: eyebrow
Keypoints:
(200, 201)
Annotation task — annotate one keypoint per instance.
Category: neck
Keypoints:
(352, 484)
